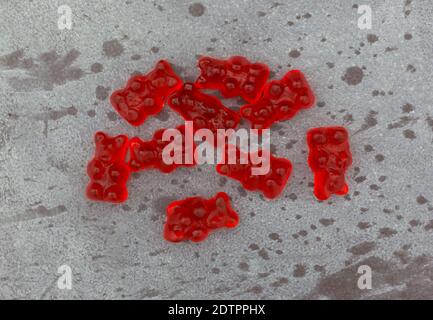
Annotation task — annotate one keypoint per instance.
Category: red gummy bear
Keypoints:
(107, 170)
(204, 110)
(149, 154)
(145, 95)
(194, 218)
(271, 184)
(235, 76)
(329, 159)
(281, 100)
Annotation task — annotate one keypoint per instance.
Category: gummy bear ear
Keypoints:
(220, 202)
(187, 86)
(201, 79)
(318, 137)
(160, 65)
(340, 136)
(203, 62)
(120, 140)
(99, 136)
(171, 82)
(246, 111)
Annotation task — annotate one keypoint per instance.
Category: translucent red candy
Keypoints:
(107, 170)
(203, 110)
(329, 158)
(149, 154)
(144, 95)
(194, 218)
(233, 77)
(271, 183)
(281, 100)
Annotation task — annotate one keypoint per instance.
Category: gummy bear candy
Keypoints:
(107, 170)
(204, 110)
(144, 95)
(329, 158)
(281, 100)
(194, 218)
(149, 154)
(271, 182)
(235, 76)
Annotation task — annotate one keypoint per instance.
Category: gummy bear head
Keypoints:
(110, 149)
(185, 220)
(222, 215)
(330, 149)
(211, 70)
(260, 115)
(163, 77)
(298, 84)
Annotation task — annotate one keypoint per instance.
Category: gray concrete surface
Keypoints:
(54, 86)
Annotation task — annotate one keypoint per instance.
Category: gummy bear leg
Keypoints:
(198, 235)
(173, 236)
(116, 194)
(320, 190)
(344, 190)
(95, 191)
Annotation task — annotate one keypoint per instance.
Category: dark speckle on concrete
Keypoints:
(47, 71)
(56, 114)
(275, 236)
(326, 222)
(244, 266)
(421, 200)
(429, 121)
(362, 248)
(372, 38)
(242, 191)
(280, 282)
(299, 271)
(112, 48)
(353, 76)
(293, 196)
(102, 92)
(196, 9)
(112, 116)
(409, 134)
(368, 148)
(364, 225)
(360, 179)
(91, 113)
(407, 108)
(294, 53)
(263, 254)
(386, 232)
(379, 157)
(45, 212)
(369, 121)
(96, 67)
(15, 60)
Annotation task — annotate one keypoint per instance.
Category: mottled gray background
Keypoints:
(54, 87)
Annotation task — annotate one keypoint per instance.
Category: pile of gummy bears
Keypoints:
(267, 102)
